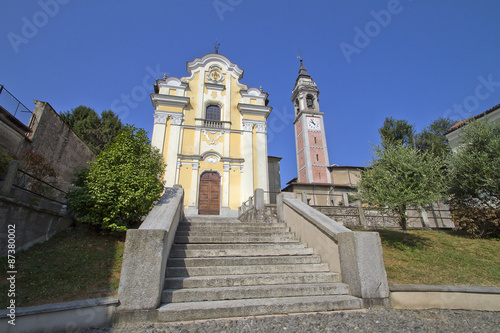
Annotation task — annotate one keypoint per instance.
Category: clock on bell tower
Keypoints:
(310, 140)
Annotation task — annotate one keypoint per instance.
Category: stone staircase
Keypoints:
(222, 268)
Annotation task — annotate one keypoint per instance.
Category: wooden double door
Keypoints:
(209, 195)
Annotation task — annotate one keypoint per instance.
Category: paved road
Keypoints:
(372, 320)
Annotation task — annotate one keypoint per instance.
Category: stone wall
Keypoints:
(12, 132)
(361, 217)
(58, 144)
(33, 224)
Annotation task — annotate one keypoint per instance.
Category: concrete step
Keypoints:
(252, 246)
(241, 238)
(233, 261)
(241, 270)
(206, 227)
(231, 233)
(252, 307)
(237, 224)
(235, 252)
(210, 218)
(246, 292)
(250, 280)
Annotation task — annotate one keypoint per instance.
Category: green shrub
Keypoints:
(478, 221)
(121, 185)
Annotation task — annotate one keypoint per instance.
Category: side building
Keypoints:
(453, 133)
(212, 132)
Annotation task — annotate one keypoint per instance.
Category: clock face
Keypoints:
(313, 123)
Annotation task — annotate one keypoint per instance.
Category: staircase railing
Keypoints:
(357, 256)
(146, 252)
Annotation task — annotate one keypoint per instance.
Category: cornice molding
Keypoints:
(254, 93)
(254, 110)
(168, 100)
(215, 86)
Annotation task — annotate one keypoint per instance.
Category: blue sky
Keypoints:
(416, 60)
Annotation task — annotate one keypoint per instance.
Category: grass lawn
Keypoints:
(438, 257)
(75, 264)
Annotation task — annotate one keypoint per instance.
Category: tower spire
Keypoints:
(302, 69)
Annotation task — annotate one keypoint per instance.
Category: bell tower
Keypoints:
(310, 140)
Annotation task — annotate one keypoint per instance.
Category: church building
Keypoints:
(211, 131)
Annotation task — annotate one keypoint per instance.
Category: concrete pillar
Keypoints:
(424, 218)
(9, 178)
(279, 204)
(362, 217)
(259, 199)
(346, 199)
(304, 197)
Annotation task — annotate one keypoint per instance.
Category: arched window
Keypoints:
(212, 112)
(310, 101)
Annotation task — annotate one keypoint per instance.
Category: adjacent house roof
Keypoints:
(461, 123)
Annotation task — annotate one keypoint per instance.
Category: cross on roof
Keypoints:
(300, 55)
(216, 46)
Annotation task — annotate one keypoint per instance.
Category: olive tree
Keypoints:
(400, 176)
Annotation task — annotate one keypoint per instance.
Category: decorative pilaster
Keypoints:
(225, 186)
(193, 198)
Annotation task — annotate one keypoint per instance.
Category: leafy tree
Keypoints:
(121, 185)
(401, 176)
(95, 131)
(432, 138)
(396, 131)
(474, 173)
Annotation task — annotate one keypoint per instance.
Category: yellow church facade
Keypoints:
(212, 133)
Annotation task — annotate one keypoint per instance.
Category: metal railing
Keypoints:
(32, 184)
(11, 104)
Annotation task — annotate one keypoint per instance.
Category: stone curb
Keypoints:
(415, 297)
(55, 307)
(443, 288)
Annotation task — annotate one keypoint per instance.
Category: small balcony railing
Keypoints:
(213, 123)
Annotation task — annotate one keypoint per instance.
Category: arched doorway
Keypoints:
(209, 198)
